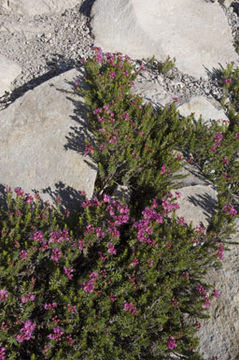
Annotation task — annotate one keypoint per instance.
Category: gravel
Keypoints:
(45, 46)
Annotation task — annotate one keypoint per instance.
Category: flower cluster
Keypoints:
(230, 210)
(3, 295)
(89, 286)
(171, 344)
(57, 334)
(26, 331)
(28, 297)
(2, 353)
(130, 308)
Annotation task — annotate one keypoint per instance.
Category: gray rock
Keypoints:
(197, 204)
(226, 3)
(29, 30)
(8, 73)
(219, 335)
(143, 29)
(152, 90)
(201, 106)
(32, 7)
(42, 141)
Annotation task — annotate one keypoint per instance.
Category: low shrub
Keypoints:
(163, 67)
(115, 280)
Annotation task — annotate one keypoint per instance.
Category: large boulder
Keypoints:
(219, 335)
(33, 7)
(201, 106)
(198, 36)
(197, 204)
(42, 141)
(9, 71)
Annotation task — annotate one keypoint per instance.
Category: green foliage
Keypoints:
(118, 281)
(133, 142)
(160, 66)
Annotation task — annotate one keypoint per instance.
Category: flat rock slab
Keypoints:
(42, 141)
(219, 335)
(151, 90)
(197, 204)
(200, 106)
(198, 36)
(30, 30)
(39, 7)
(9, 70)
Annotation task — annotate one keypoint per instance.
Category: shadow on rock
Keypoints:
(69, 198)
(85, 8)
(206, 203)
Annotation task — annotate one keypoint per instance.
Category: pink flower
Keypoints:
(201, 290)
(29, 199)
(171, 343)
(3, 295)
(134, 262)
(126, 116)
(37, 236)
(113, 140)
(178, 157)
(89, 286)
(102, 258)
(150, 262)
(27, 297)
(19, 191)
(113, 297)
(112, 74)
(230, 210)
(111, 249)
(207, 302)
(50, 307)
(227, 81)
(200, 229)
(181, 220)
(106, 198)
(174, 302)
(130, 308)
(72, 309)
(23, 254)
(225, 160)
(70, 341)
(57, 334)
(198, 325)
(178, 194)
(163, 169)
(216, 293)
(220, 251)
(218, 137)
(56, 254)
(2, 353)
(88, 149)
(102, 147)
(26, 331)
(68, 271)
(94, 275)
(4, 326)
